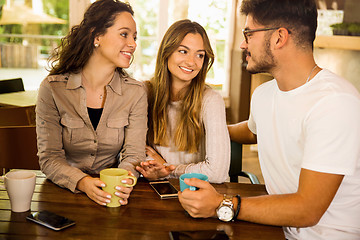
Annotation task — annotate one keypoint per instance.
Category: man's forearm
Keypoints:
(240, 133)
(279, 210)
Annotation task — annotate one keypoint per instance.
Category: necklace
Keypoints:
(101, 95)
(311, 73)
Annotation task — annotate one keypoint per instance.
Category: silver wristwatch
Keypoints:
(225, 211)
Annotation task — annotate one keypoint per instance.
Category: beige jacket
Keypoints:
(68, 146)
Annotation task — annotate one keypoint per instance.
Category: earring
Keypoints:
(96, 45)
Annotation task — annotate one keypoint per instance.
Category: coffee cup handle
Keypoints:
(130, 177)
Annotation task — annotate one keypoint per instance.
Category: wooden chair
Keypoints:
(11, 85)
(17, 116)
(236, 165)
(18, 148)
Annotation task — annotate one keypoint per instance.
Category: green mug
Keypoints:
(112, 177)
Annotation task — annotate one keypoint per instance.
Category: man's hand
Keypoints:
(201, 203)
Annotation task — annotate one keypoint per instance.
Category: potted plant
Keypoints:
(354, 29)
(340, 28)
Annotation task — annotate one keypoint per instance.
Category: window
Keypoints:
(154, 17)
(29, 31)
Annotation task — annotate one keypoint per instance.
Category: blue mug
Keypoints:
(184, 186)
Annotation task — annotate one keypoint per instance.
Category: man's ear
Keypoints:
(282, 37)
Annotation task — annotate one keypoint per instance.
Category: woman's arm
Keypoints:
(133, 152)
(51, 151)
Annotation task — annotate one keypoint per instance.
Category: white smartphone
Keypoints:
(164, 189)
(50, 220)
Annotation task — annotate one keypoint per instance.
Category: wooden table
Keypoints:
(145, 217)
(19, 99)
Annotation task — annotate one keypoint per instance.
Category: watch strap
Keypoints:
(237, 208)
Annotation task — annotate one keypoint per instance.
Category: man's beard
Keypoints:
(266, 61)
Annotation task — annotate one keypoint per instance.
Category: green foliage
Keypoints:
(342, 26)
(11, 28)
(146, 23)
(212, 16)
(146, 20)
(346, 28)
(354, 28)
(2, 3)
(56, 8)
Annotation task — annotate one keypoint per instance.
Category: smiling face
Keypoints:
(258, 51)
(117, 45)
(187, 60)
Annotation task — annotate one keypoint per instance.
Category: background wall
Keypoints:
(345, 63)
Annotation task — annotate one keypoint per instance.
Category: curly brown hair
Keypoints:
(76, 48)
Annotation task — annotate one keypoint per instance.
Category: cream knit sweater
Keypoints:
(213, 158)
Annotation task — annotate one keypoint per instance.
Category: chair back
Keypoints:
(11, 85)
(17, 116)
(235, 161)
(18, 148)
(235, 170)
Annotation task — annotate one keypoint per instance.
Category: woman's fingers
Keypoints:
(123, 193)
(101, 197)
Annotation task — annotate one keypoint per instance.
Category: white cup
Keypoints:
(20, 187)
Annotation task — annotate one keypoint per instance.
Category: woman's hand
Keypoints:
(124, 192)
(153, 170)
(152, 154)
(91, 186)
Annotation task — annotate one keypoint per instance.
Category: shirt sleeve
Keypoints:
(251, 120)
(133, 151)
(217, 142)
(51, 152)
(332, 137)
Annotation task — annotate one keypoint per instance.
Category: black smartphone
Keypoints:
(199, 235)
(164, 189)
(50, 220)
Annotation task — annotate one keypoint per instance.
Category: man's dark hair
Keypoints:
(298, 16)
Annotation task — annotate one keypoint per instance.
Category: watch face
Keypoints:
(225, 213)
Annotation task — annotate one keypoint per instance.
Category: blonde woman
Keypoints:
(187, 124)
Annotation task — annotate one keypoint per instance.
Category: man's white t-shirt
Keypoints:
(317, 127)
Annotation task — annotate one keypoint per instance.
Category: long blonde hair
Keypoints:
(189, 128)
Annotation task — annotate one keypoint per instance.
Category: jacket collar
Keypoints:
(74, 81)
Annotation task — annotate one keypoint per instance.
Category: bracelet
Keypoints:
(237, 208)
